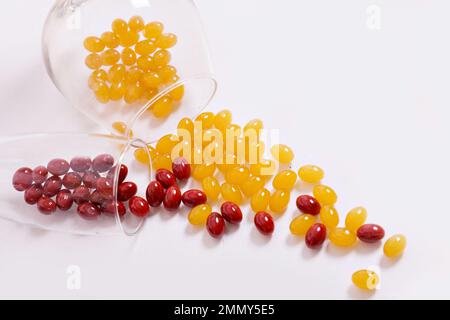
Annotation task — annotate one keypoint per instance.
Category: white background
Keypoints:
(370, 106)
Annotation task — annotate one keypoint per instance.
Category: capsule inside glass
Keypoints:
(31, 151)
(165, 96)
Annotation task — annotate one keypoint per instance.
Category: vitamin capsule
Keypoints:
(117, 91)
(365, 279)
(153, 30)
(103, 162)
(166, 144)
(285, 180)
(94, 44)
(325, 195)
(355, 218)
(96, 198)
(40, 174)
(139, 206)
(136, 23)
(252, 185)
(64, 200)
(110, 39)
(279, 201)
(58, 167)
(202, 171)
(238, 175)
(126, 190)
(193, 198)
(52, 186)
(110, 57)
(33, 194)
(119, 26)
(123, 173)
(117, 73)
(72, 180)
(316, 236)
(88, 211)
(161, 58)
(177, 93)
(231, 212)
(394, 246)
(46, 205)
(231, 193)
(329, 217)
(211, 187)
(151, 80)
(90, 178)
(172, 199)
(93, 61)
(80, 164)
(311, 174)
(223, 119)
(233, 130)
(166, 41)
(207, 120)
(22, 179)
(185, 127)
(81, 194)
(167, 72)
(133, 93)
(308, 204)
(122, 128)
(105, 187)
(166, 178)
(162, 161)
(260, 200)
(342, 237)
(264, 223)
(370, 233)
(162, 107)
(128, 57)
(102, 92)
(301, 224)
(215, 224)
(181, 169)
(128, 39)
(265, 168)
(282, 153)
(110, 206)
(255, 125)
(199, 214)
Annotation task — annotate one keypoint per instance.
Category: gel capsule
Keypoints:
(126, 190)
(311, 174)
(58, 167)
(211, 187)
(231, 212)
(316, 236)
(308, 204)
(264, 223)
(139, 206)
(279, 201)
(282, 153)
(103, 162)
(80, 164)
(155, 193)
(22, 179)
(394, 246)
(110, 39)
(40, 174)
(166, 144)
(202, 171)
(166, 41)
(162, 161)
(72, 180)
(94, 44)
(33, 194)
(265, 168)
(64, 200)
(329, 217)
(231, 193)
(90, 178)
(252, 186)
(46, 205)
(324, 194)
(109, 208)
(342, 237)
(355, 218)
(193, 198)
(207, 120)
(199, 214)
(285, 180)
(52, 186)
(237, 175)
(365, 279)
(166, 178)
(215, 224)
(223, 119)
(88, 211)
(260, 200)
(181, 169)
(81, 194)
(153, 30)
(370, 233)
(172, 199)
(301, 224)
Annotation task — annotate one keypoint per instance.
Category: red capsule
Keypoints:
(81, 194)
(40, 174)
(52, 186)
(109, 208)
(90, 178)
(88, 211)
(46, 205)
(316, 236)
(105, 187)
(123, 172)
(33, 194)
(126, 190)
(181, 169)
(172, 199)
(139, 206)
(58, 167)
(64, 200)
(215, 224)
(370, 233)
(103, 162)
(193, 198)
(308, 204)
(166, 178)
(155, 194)
(97, 198)
(231, 212)
(71, 180)
(264, 223)
(22, 179)
(81, 164)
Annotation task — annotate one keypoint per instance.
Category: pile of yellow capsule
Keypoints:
(242, 181)
(131, 63)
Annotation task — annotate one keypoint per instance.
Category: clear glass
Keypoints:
(39, 149)
(70, 22)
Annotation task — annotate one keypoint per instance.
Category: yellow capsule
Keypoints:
(94, 44)
(161, 58)
(134, 75)
(128, 39)
(207, 120)
(355, 218)
(128, 57)
(110, 57)
(141, 154)
(301, 224)
(117, 91)
(110, 39)
(282, 153)
(285, 180)
(149, 93)
(324, 194)
(311, 173)
(233, 130)
(252, 185)
(265, 168)
(329, 217)
(121, 127)
(260, 200)
(256, 125)
(166, 144)
(136, 23)
(162, 161)
(211, 187)
(238, 175)
(342, 237)
(177, 93)
(145, 47)
(167, 72)
(119, 26)
(394, 246)
(202, 171)
(153, 30)
(93, 61)
(279, 201)
(162, 107)
(166, 41)
(186, 125)
(254, 152)
(145, 63)
(151, 80)
(133, 93)
(365, 279)
(228, 164)
(231, 193)
(96, 77)
(199, 215)
(117, 73)
(102, 92)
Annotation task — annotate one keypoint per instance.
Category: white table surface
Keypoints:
(372, 107)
